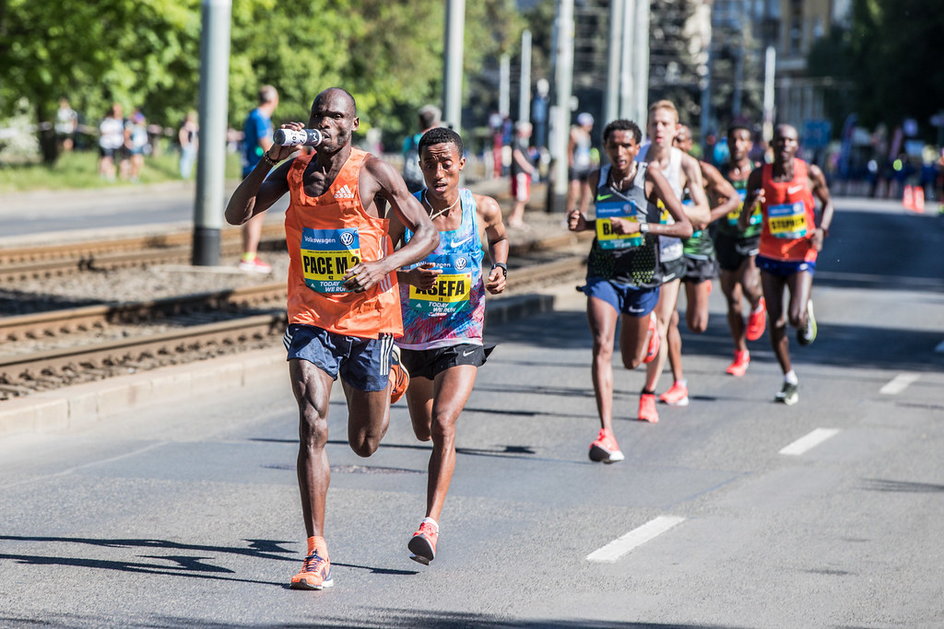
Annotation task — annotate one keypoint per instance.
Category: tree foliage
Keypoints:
(147, 53)
(892, 54)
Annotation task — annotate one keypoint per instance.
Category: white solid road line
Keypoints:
(637, 537)
(810, 441)
(899, 383)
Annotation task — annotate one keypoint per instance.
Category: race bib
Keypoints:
(606, 237)
(787, 221)
(452, 290)
(326, 255)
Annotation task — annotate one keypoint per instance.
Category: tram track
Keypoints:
(47, 350)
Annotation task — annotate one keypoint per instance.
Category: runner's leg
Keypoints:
(696, 312)
(668, 298)
(312, 389)
(602, 318)
(773, 294)
(800, 286)
(731, 287)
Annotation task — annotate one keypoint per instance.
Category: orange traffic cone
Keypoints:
(919, 199)
(907, 198)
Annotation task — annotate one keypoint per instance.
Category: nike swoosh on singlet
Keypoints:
(794, 189)
(604, 197)
(457, 243)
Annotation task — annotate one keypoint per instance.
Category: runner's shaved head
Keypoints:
(786, 131)
(337, 94)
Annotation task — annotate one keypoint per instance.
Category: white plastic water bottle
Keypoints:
(290, 137)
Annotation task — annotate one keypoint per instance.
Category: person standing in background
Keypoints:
(580, 163)
(67, 123)
(257, 138)
(429, 117)
(522, 172)
(187, 137)
(110, 141)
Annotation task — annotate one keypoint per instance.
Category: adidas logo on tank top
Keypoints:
(344, 192)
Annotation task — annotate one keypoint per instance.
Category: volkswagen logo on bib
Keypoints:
(461, 263)
(347, 238)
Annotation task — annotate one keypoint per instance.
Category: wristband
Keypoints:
(268, 160)
(502, 266)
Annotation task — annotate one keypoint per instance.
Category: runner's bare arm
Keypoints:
(491, 217)
(755, 194)
(719, 189)
(256, 193)
(383, 181)
(577, 220)
(423, 276)
(658, 187)
(699, 212)
(821, 190)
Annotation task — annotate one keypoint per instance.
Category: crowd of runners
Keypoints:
(386, 289)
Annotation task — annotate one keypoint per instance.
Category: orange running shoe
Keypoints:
(252, 264)
(605, 449)
(757, 321)
(314, 575)
(739, 367)
(654, 340)
(677, 395)
(399, 376)
(647, 408)
(423, 542)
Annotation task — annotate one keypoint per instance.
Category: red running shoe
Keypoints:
(647, 408)
(654, 340)
(314, 575)
(739, 367)
(605, 449)
(399, 376)
(423, 542)
(757, 321)
(677, 395)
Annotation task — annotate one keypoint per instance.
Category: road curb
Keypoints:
(75, 407)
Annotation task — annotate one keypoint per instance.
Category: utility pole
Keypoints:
(611, 104)
(627, 104)
(563, 82)
(452, 64)
(504, 85)
(211, 158)
(641, 62)
(770, 69)
(524, 90)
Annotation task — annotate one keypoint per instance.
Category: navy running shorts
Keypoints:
(784, 268)
(671, 269)
(628, 300)
(429, 363)
(362, 363)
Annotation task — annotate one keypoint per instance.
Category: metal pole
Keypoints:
(452, 66)
(564, 78)
(641, 62)
(504, 85)
(705, 117)
(524, 90)
(611, 104)
(626, 101)
(770, 69)
(211, 158)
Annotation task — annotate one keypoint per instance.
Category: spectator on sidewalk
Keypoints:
(429, 117)
(187, 137)
(257, 139)
(110, 141)
(522, 171)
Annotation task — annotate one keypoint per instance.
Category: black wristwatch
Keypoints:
(502, 266)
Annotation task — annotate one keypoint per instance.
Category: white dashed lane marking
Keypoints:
(810, 441)
(637, 537)
(899, 383)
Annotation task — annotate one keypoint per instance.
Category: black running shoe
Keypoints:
(788, 394)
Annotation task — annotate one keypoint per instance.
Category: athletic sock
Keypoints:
(644, 392)
(249, 257)
(433, 522)
(682, 383)
(791, 377)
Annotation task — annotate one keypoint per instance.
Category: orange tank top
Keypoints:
(789, 219)
(326, 236)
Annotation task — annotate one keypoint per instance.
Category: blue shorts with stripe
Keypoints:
(362, 363)
(784, 268)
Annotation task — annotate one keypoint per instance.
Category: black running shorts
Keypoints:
(732, 251)
(428, 363)
(697, 271)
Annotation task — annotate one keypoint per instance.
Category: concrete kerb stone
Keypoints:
(80, 405)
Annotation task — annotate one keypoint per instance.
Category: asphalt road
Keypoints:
(188, 515)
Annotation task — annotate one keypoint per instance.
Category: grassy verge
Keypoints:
(79, 170)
